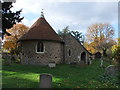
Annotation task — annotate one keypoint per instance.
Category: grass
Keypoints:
(64, 76)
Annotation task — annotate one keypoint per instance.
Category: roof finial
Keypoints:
(42, 14)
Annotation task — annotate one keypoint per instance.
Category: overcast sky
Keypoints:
(77, 15)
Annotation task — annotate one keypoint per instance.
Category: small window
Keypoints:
(40, 47)
(69, 52)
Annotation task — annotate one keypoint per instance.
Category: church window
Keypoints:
(40, 47)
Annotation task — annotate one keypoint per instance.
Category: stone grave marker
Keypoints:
(111, 70)
(45, 80)
(101, 61)
(90, 61)
(52, 64)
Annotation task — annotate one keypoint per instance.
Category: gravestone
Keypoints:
(45, 81)
(111, 70)
(101, 61)
(90, 61)
(52, 64)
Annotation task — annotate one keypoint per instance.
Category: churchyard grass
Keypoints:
(64, 76)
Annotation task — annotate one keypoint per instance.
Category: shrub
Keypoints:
(17, 61)
(6, 61)
(116, 54)
(105, 78)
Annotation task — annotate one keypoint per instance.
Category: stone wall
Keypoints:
(53, 52)
(75, 49)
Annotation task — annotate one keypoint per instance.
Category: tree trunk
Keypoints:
(104, 52)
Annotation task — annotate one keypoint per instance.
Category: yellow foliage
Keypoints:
(114, 48)
(15, 33)
(100, 36)
(90, 47)
(9, 45)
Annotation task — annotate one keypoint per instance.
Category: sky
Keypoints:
(77, 14)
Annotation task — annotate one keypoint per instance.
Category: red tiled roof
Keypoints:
(41, 30)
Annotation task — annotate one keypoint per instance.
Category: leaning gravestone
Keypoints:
(45, 81)
(111, 70)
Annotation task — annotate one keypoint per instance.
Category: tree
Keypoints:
(90, 47)
(102, 35)
(9, 18)
(15, 32)
(64, 31)
(78, 36)
(117, 54)
(116, 51)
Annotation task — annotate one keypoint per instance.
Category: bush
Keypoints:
(116, 54)
(105, 78)
(17, 61)
(6, 61)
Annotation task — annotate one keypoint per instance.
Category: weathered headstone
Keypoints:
(90, 61)
(101, 62)
(111, 70)
(45, 81)
(52, 64)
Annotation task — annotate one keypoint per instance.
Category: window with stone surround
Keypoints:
(40, 47)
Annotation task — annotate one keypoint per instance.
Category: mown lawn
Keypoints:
(64, 76)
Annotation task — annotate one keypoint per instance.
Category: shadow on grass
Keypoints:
(16, 82)
(18, 76)
(63, 75)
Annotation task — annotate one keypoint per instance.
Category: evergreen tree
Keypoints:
(79, 36)
(9, 18)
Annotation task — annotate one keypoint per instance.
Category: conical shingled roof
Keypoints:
(41, 30)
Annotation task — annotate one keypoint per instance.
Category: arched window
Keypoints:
(40, 47)
(69, 52)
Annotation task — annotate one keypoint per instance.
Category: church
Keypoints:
(42, 45)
